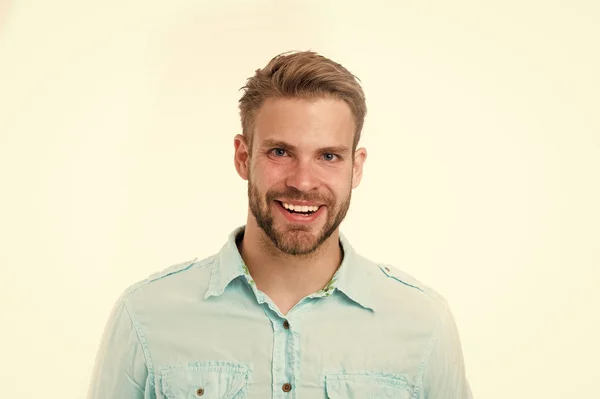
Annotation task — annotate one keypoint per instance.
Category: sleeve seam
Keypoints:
(143, 343)
(429, 351)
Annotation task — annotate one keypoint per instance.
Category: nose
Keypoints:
(303, 177)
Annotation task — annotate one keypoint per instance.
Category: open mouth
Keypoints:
(303, 210)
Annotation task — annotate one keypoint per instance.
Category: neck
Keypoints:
(287, 278)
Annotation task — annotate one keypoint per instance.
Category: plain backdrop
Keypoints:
(117, 121)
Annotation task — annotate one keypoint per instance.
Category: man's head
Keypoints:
(302, 116)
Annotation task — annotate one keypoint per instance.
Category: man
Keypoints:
(286, 309)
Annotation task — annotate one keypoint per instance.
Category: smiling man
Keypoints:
(286, 308)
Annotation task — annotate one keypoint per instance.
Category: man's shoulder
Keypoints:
(174, 272)
(408, 281)
(402, 295)
(404, 288)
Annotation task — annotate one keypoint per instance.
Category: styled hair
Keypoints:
(304, 75)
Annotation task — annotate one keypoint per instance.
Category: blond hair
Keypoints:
(303, 75)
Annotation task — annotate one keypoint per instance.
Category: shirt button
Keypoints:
(286, 387)
(286, 325)
(200, 392)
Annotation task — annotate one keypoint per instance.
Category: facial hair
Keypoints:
(297, 239)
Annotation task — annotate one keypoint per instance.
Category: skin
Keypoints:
(302, 150)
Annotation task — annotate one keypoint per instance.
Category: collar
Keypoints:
(353, 278)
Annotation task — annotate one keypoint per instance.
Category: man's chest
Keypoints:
(240, 353)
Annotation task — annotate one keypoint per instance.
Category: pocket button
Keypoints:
(200, 391)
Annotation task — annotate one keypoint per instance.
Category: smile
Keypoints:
(300, 213)
(300, 209)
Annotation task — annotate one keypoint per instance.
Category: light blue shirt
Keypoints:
(201, 329)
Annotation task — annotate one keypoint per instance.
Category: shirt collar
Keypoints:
(353, 278)
(356, 276)
(229, 265)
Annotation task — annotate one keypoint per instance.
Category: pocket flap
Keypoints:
(204, 380)
(363, 385)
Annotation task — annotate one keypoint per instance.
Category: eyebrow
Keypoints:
(340, 149)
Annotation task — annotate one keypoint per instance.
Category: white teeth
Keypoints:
(300, 208)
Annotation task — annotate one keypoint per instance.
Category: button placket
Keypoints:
(285, 357)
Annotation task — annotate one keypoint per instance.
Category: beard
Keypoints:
(296, 239)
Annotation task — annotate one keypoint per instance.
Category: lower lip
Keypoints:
(298, 218)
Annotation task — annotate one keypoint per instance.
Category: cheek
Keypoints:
(267, 175)
(340, 185)
(342, 190)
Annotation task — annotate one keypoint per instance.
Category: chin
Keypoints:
(300, 241)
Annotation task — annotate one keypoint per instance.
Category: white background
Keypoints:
(116, 160)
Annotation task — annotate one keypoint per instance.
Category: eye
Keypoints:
(278, 152)
(329, 156)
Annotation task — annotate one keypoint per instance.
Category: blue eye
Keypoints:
(278, 152)
(329, 156)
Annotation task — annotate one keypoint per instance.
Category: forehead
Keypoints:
(314, 122)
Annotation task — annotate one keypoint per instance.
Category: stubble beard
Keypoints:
(297, 239)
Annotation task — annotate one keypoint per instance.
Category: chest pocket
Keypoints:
(365, 386)
(206, 381)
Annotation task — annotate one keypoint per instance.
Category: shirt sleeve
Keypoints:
(444, 373)
(120, 369)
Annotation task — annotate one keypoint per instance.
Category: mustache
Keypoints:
(297, 195)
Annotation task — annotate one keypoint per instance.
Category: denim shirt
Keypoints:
(201, 329)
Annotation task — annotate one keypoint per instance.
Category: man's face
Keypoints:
(302, 157)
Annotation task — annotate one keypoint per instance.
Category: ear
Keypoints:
(241, 157)
(360, 156)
